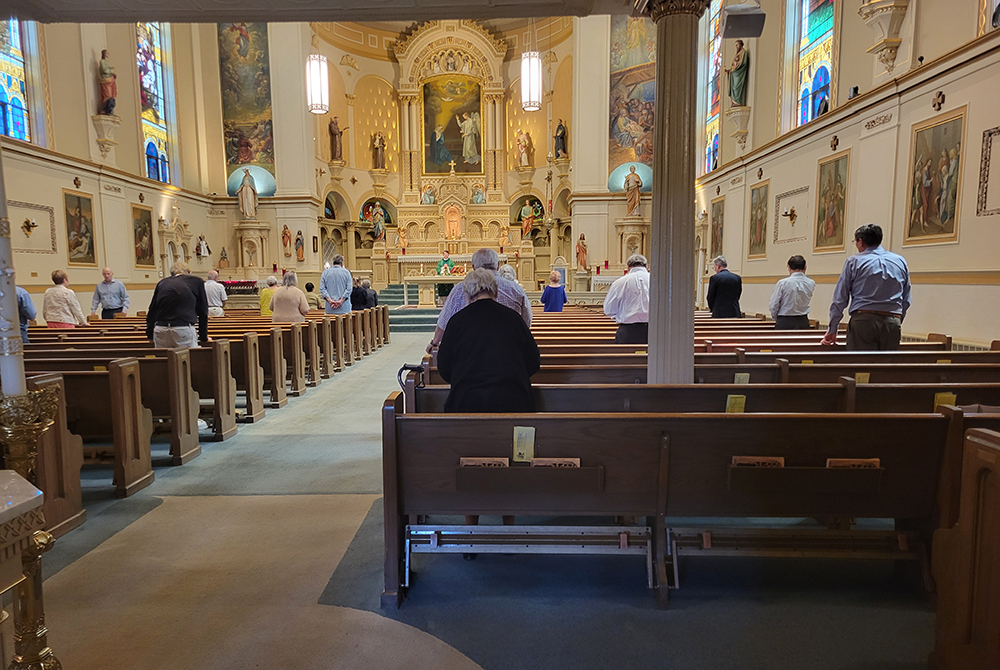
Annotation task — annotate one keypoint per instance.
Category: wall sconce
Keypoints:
(791, 215)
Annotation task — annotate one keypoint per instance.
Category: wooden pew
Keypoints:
(888, 373)
(662, 465)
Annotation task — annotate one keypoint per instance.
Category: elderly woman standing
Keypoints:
(288, 303)
(60, 307)
(487, 353)
(554, 295)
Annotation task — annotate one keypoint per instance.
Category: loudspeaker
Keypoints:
(742, 21)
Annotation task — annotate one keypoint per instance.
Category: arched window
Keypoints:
(149, 59)
(815, 55)
(329, 207)
(714, 97)
(804, 107)
(13, 89)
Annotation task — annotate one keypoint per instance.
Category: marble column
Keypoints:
(11, 349)
(672, 280)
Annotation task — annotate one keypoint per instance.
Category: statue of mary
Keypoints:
(247, 195)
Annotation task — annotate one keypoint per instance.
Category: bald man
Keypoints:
(111, 294)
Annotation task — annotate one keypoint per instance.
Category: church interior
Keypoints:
(567, 137)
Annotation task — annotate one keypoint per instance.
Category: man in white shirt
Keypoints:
(791, 297)
(216, 293)
(627, 302)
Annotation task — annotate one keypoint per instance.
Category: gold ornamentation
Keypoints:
(23, 419)
(657, 9)
(348, 61)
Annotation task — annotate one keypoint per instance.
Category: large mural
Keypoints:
(633, 94)
(244, 65)
(453, 127)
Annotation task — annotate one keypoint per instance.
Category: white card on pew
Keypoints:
(741, 378)
(524, 444)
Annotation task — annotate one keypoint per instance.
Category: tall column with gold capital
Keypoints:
(672, 272)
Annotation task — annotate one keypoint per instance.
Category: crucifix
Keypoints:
(452, 164)
(835, 142)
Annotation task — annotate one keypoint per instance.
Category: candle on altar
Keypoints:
(274, 267)
(421, 268)
(605, 263)
(598, 269)
(404, 251)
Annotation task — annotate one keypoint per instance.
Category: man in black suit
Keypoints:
(724, 291)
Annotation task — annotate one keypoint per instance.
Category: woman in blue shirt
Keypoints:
(554, 295)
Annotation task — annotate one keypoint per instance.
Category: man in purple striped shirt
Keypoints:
(876, 282)
(509, 294)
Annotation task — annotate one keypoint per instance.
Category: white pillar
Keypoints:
(11, 349)
(404, 118)
(672, 289)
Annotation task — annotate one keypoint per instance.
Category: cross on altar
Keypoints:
(452, 164)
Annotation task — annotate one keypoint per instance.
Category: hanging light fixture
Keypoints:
(531, 79)
(317, 84)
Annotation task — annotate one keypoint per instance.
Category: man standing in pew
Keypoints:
(216, 293)
(60, 307)
(724, 291)
(627, 302)
(876, 282)
(178, 302)
(335, 286)
(791, 297)
(112, 295)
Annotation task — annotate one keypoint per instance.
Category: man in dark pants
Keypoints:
(724, 291)
(791, 297)
(876, 282)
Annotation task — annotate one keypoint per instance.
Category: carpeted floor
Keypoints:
(266, 552)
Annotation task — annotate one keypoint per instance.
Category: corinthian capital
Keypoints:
(657, 9)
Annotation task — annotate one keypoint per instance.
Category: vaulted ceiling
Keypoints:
(200, 11)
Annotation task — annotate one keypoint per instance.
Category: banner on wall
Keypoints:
(247, 126)
(633, 96)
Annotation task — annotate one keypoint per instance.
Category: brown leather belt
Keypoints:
(872, 311)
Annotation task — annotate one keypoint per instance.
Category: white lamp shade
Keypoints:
(531, 81)
(317, 84)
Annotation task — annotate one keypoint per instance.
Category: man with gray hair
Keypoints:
(216, 293)
(509, 294)
(627, 302)
(111, 295)
(371, 297)
(724, 291)
(335, 286)
(178, 302)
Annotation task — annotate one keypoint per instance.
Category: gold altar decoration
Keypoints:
(23, 419)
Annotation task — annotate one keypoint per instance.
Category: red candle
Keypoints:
(598, 269)
(274, 267)
(605, 264)
(404, 251)
(501, 249)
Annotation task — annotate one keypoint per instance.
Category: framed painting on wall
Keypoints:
(142, 236)
(757, 247)
(453, 125)
(81, 239)
(717, 219)
(934, 179)
(831, 202)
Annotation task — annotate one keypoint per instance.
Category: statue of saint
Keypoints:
(527, 219)
(505, 232)
(523, 151)
(560, 141)
(202, 249)
(478, 197)
(401, 240)
(738, 75)
(632, 185)
(581, 253)
(427, 198)
(108, 81)
(286, 241)
(378, 151)
(336, 140)
(247, 196)
(300, 247)
(378, 220)
(223, 259)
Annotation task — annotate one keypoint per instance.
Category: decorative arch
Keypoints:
(560, 204)
(334, 200)
(376, 109)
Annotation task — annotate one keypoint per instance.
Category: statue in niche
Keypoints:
(336, 140)
(401, 240)
(523, 146)
(427, 197)
(581, 253)
(108, 81)
(378, 151)
(560, 141)
(478, 197)
(223, 259)
(633, 183)
(300, 247)
(450, 64)
(527, 219)
(247, 196)
(453, 224)
(739, 73)
(286, 241)
(201, 249)
(378, 221)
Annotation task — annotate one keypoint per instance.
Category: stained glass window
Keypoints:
(815, 58)
(149, 58)
(13, 89)
(714, 53)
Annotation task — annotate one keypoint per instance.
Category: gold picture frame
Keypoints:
(142, 236)
(757, 231)
(934, 179)
(833, 183)
(454, 94)
(81, 231)
(717, 215)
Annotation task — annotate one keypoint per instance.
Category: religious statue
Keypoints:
(300, 247)
(523, 150)
(470, 127)
(247, 196)
(527, 219)
(286, 241)
(452, 223)
(108, 81)
(378, 221)
(632, 185)
(223, 259)
(581, 253)
(336, 140)
(505, 232)
(378, 151)
(427, 198)
(560, 141)
(202, 250)
(401, 240)
(738, 75)
(439, 152)
(449, 62)
(478, 197)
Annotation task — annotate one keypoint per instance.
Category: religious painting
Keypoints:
(633, 91)
(247, 126)
(935, 179)
(80, 237)
(715, 226)
(453, 125)
(142, 233)
(831, 202)
(758, 221)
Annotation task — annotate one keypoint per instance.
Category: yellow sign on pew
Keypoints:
(944, 399)
(524, 444)
(806, 361)
(736, 404)
(742, 378)
(944, 361)
(100, 368)
(862, 377)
